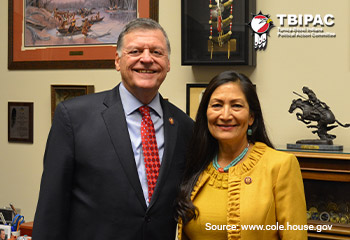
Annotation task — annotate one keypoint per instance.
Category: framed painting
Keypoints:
(69, 34)
(60, 93)
(194, 93)
(20, 122)
(7, 230)
(216, 32)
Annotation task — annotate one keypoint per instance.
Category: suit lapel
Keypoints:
(115, 121)
(170, 136)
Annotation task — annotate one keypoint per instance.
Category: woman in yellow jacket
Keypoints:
(236, 186)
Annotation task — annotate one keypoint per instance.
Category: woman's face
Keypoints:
(228, 114)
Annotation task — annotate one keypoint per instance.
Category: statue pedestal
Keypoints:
(315, 144)
(315, 141)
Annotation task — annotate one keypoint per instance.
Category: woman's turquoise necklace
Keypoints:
(234, 161)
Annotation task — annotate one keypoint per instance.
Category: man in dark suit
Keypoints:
(94, 183)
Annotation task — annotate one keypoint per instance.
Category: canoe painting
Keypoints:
(75, 22)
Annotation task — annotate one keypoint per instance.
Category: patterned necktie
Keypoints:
(150, 150)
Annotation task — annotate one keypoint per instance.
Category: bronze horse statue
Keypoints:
(319, 113)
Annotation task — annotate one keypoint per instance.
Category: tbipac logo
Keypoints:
(291, 26)
(305, 26)
(306, 19)
(261, 25)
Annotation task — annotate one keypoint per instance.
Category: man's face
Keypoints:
(144, 62)
(2, 235)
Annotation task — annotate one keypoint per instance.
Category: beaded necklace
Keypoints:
(234, 161)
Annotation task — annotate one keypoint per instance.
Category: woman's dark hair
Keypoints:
(203, 146)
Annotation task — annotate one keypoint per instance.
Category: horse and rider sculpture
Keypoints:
(315, 110)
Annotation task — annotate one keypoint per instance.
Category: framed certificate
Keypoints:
(20, 122)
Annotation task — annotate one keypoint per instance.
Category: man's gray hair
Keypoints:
(141, 24)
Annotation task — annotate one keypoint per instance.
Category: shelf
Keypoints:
(315, 236)
(337, 228)
(326, 175)
(324, 166)
(322, 155)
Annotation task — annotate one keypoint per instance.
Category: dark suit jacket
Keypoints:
(90, 187)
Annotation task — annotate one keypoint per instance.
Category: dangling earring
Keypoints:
(249, 131)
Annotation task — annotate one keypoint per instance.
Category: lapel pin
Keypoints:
(171, 120)
(248, 180)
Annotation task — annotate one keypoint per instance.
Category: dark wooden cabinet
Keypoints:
(327, 181)
(26, 228)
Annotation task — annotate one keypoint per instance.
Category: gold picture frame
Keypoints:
(60, 93)
(194, 93)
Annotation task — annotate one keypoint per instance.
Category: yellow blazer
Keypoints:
(275, 195)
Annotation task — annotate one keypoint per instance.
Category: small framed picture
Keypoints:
(60, 93)
(194, 93)
(7, 230)
(20, 122)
